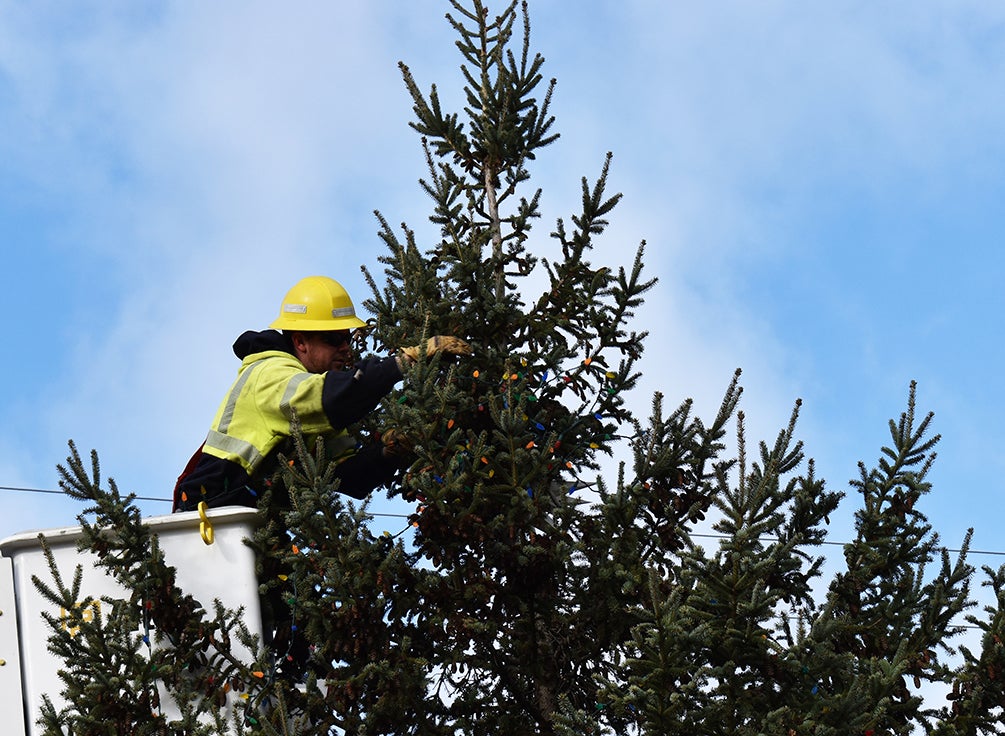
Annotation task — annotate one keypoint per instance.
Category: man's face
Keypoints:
(326, 351)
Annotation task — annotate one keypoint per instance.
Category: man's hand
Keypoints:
(438, 344)
(397, 447)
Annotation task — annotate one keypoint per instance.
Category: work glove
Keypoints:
(398, 447)
(438, 344)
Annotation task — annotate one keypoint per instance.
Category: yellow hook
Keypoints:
(205, 525)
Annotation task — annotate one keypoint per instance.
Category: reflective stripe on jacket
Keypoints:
(257, 413)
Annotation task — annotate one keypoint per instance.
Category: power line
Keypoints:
(50, 491)
(406, 516)
(61, 493)
(842, 544)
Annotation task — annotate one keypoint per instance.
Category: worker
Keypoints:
(307, 368)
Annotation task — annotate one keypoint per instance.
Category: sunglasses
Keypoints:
(335, 339)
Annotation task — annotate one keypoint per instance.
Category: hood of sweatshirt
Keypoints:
(252, 342)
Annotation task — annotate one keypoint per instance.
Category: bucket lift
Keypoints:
(206, 548)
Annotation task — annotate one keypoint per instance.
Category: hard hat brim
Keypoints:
(317, 325)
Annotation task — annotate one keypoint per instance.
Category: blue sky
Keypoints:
(819, 186)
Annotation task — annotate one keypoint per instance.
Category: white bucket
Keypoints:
(223, 570)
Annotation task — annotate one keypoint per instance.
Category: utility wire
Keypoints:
(60, 493)
(406, 516)
(16, 489)
(842, 544)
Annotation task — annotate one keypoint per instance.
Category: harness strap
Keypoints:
(193, 461)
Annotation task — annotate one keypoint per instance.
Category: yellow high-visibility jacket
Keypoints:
(254, 422)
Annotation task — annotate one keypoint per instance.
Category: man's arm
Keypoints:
(348, 396)
(366, 470)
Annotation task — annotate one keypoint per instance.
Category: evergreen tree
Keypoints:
(120, 653)
(534, 595)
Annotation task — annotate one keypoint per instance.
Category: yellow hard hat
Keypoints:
(317, 304)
